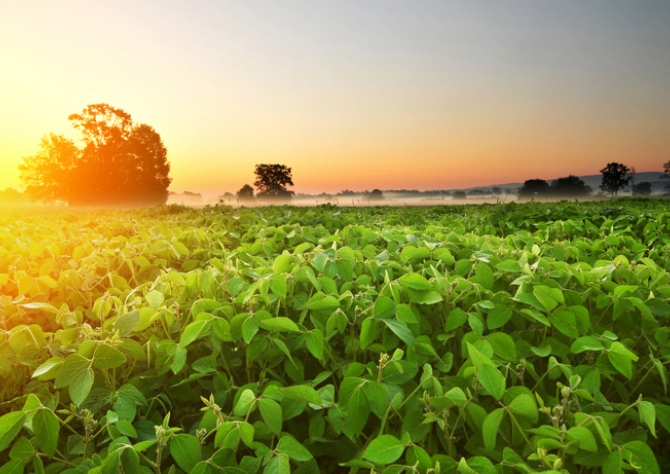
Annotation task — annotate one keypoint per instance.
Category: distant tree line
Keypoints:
(615, 177)
(567, 186)
(123, 162)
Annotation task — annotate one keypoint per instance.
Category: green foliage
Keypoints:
(491, 339)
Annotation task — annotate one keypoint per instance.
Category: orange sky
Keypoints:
(356, 95)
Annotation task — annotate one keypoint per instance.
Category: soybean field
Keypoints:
(489, 339)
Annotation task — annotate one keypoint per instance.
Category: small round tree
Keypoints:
(272, 180)
(246, 193)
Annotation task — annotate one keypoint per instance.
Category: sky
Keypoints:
(350, 94)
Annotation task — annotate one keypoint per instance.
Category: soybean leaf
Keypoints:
(648, 415)
(107, 357)
(524, 405)
(642, 456)
(47, 428)
(401, 331)
(587, 441)
(490, 427)
(484, 275)
(358, 411)
(586, 343)
(10, 425)
(272, 414)
(80, 386)
(278, 285)
(73, 366)
(154, 298)
(415, 281)
(498, 316)
(12, 467)
(279, 324)
(302, 393)
(293, 449)
(384, 307)
(48, 369)
(194, 331)
(278, 465)
(385, 449)
(503, 346)
(244, 402)
(564, 321)
(315, 342)
(509, 266)
(186, 451)
(492, 380)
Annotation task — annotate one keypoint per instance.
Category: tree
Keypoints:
(642, 189)
(271, 181)
(614, 178)
(120, 162)
(569, 186)
(496, 190)
(47, 175)
(534, 187)
(376, 195)
(246, 193)
(666, 174)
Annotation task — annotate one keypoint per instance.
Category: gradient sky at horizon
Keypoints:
(350, 94)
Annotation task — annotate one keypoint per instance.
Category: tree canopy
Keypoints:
(245, 193)
(272, 180)
(376, 195)
(642, 189)
(569, 186)
(120, 162)
(531, 187)
(614, 178)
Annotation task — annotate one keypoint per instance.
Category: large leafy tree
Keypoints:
(120, 162)
(614, 178)
(47, 174)
(532, 187)
(271, 181)
(570, 186)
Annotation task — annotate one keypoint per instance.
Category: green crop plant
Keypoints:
(509, 338)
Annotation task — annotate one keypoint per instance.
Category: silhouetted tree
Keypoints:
(460, 195)
(120, 162)
(46, 175)
(496, 190)
(376, 195)
(245, 193)
(271, 181)
(642, 189)
(614, 178)
(666, 174)
(534, 187)
(569, 186)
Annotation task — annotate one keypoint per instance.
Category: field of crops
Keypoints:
(458, 339)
